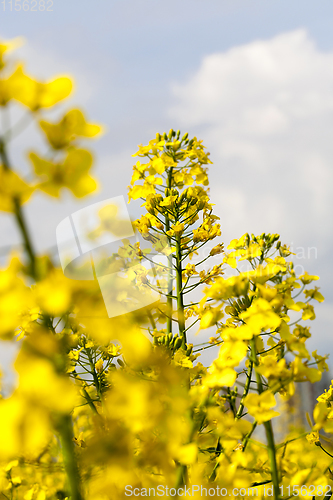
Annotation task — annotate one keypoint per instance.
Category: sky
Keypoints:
(252, 78)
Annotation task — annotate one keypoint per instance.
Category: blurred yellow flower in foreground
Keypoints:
(72, 173)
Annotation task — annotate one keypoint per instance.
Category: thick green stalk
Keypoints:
(268, 430)
(170, 275)
(70, 463)
(180, 303)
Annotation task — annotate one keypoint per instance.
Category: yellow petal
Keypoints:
(11, 187)
(187, 454)
(37, 95)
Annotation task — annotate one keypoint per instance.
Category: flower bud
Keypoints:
(201, 204)
(217, 249)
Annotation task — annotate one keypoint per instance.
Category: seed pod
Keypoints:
(174, 340)
(189, 350)
(178, 343)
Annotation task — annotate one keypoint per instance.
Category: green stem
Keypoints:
(182, 472)
(180, 303)
(19, 214)
(248, 436)
(68, 452)
(246, 390)
(181, 476)
(268, 430)
(219, 449)
(320, 446)
(26, 237)
(95, 377)
(170, 276)
(90, 402)
(151, 319)
(239, 413)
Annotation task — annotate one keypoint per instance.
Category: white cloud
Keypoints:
(265, 111)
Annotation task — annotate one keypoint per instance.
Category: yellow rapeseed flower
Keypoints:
(260, 406)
